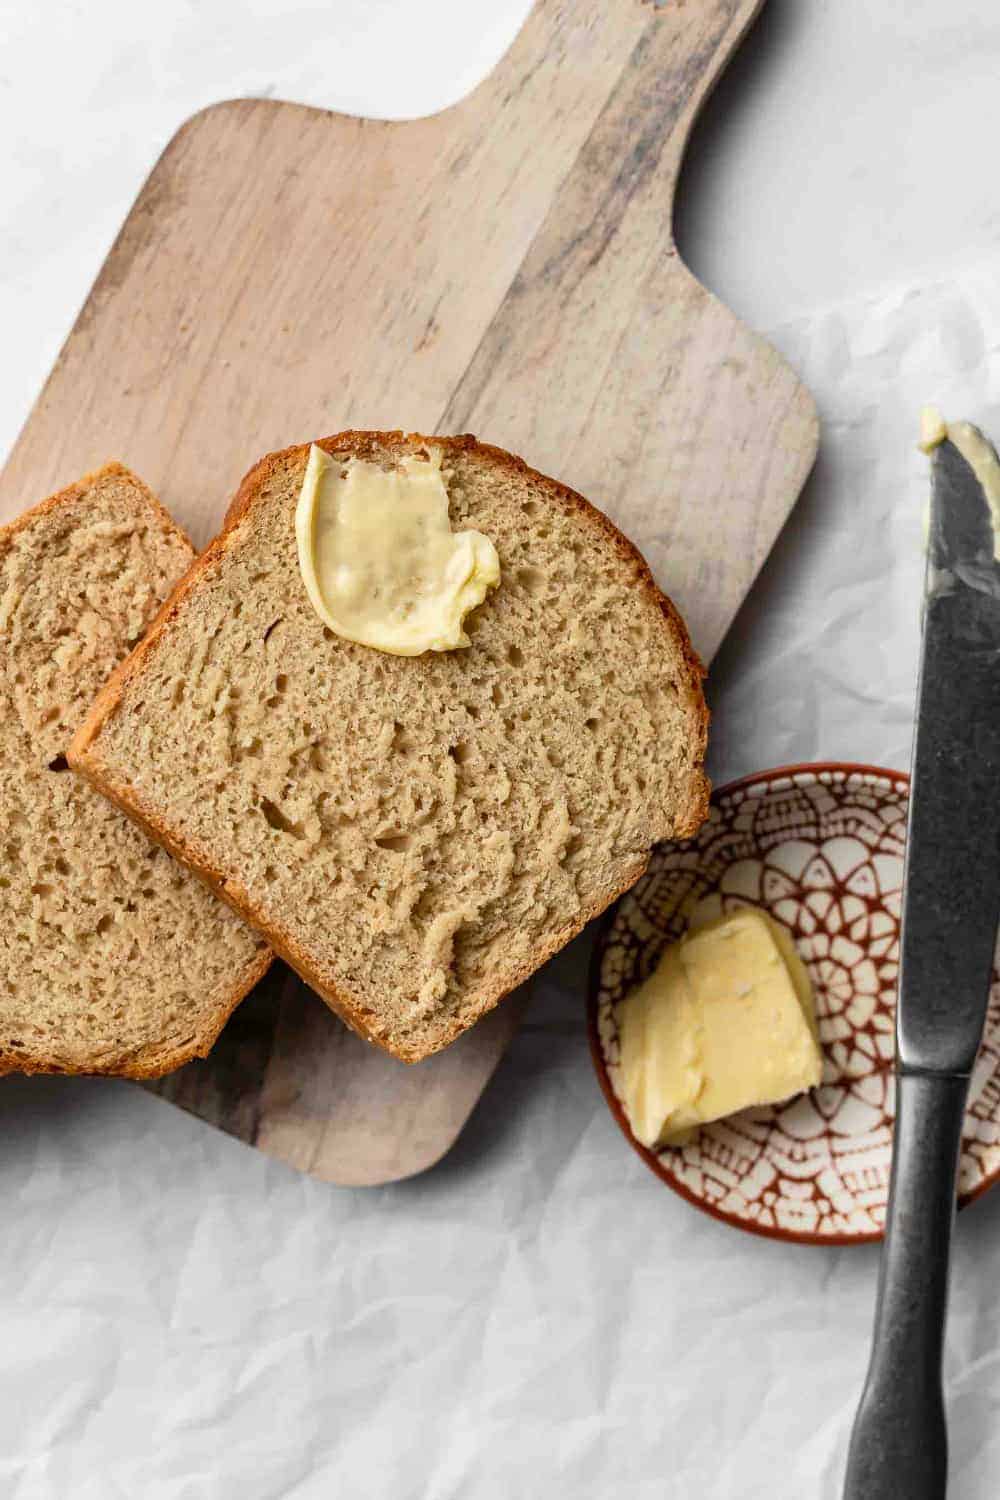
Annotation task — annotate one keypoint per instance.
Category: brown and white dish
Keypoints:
(821, 849)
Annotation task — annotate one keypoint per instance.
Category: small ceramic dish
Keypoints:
(821, 849)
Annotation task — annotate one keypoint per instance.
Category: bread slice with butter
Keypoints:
(113, 959)
(414, 834)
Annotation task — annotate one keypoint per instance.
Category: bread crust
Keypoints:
(79, 488)
(82, 755)
(151, 1062)
(154, 1062)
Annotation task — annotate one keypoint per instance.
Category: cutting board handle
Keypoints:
(696, 39)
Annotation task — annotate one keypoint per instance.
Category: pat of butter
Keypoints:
(725, 1021)
(379, 559)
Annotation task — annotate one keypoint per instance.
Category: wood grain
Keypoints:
(506, 267)
(289, 1078)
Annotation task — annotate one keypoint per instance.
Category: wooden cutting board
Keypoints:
(506, 267)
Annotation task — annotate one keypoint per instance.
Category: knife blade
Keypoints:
(949, 924)
(952, 881)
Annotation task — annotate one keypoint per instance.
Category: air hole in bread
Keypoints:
(59, 763)
(401, 742)
(277, 820)
(532, 580)
(425, 905)
(397, 843)
(270, 629)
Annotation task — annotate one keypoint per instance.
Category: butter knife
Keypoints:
(899, 1446)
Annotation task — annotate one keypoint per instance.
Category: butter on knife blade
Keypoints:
(977, 451)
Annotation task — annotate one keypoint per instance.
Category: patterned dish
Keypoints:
(820, 848)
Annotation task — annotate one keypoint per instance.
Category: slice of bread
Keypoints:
(414, 834)
(113, 959)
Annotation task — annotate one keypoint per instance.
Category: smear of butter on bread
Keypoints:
(378, 557)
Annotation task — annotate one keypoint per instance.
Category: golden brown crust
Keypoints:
(155, 1062)
(361, 445)
(151, 1062)
(79, 488)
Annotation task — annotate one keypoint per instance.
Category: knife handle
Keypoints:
(899, 1446)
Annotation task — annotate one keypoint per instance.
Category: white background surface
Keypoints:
(538, 1316)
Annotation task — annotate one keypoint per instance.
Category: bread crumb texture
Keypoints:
(417, 834)
(113, 958)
